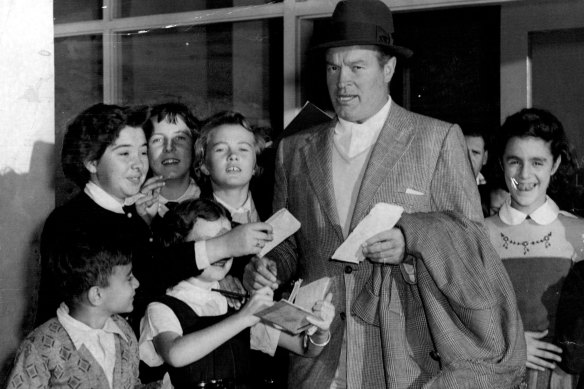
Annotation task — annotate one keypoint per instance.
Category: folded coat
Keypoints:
(462, 327)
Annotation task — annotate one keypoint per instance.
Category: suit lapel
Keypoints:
(393, 140)
(317, 155)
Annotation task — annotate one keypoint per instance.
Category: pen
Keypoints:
(235, 295)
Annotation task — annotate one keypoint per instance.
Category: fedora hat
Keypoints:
(359, 22)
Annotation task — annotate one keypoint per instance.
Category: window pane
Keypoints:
(151, 7)
(226, 66)
(78, 84)
(67, 11)
(453, 74)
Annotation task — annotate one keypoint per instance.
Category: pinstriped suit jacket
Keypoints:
(412, 152)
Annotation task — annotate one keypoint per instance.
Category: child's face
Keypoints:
(231, 157)
(118, 296)
(497, 198)
(528, 165)
(170, 149)
(205, 229)
(122, 169)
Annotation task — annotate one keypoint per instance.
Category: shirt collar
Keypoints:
(102, 198)
(246, 207)
(481, 180)
(192, 192)
(198, 296)
(80, 333)
(354, 138)
(545, 214)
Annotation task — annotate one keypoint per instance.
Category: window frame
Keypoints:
(294, 13)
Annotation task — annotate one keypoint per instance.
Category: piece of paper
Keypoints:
(310, 115)
(283, 225)
(382, 217)
(310, 293)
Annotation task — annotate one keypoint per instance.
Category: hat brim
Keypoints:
(400, 51)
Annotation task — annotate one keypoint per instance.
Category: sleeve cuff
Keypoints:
(201, 257)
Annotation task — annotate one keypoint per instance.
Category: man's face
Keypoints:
(476, 153)
(358, 84)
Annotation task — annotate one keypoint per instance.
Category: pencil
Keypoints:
(235, 295)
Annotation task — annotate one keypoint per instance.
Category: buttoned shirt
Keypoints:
(100, 343)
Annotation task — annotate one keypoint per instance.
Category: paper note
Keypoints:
(382, 217)
(283, 225)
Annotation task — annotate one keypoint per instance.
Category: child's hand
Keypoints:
(147, 205)
(325, 310)
(541, 355)
(259, 300)
(232, 284)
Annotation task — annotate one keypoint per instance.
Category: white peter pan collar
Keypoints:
(544, 215)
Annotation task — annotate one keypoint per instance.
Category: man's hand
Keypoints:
(232, 284)
(541, 355)
(259, 273)
(147, 205)
(387, 247)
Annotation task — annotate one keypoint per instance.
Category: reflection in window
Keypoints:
(78, 84)
(68, 11)
(151, 7)
(211, 68)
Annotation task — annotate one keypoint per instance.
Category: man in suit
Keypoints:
(330, 176)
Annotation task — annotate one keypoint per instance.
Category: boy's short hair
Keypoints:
(220, 119)
(91, 132)
(178, 222)
(170, 112)
(81, 263)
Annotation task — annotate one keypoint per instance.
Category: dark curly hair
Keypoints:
(217, 120)
(91, 132)
(539, 123)
(177, 223)
(81, 263)
(170, 112)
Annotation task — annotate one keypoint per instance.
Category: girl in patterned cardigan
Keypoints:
(537, 242)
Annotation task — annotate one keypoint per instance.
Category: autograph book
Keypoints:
(290, 315)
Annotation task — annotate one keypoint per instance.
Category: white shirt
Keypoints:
(245, 214)
(101, 343)
(354, 138)
(159, 317)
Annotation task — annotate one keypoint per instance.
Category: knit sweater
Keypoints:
(47, 358)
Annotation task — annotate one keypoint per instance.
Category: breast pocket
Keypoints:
(410, 202)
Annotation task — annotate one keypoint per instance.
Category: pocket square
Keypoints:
(414, 192)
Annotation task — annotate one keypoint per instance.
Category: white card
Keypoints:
(381, 217)
(283, 225)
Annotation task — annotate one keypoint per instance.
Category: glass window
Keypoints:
(150, 7)
(453, 74)
(224, 66)
(67, 11)
(78, 84)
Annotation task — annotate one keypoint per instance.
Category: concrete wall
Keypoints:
(26, 160)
